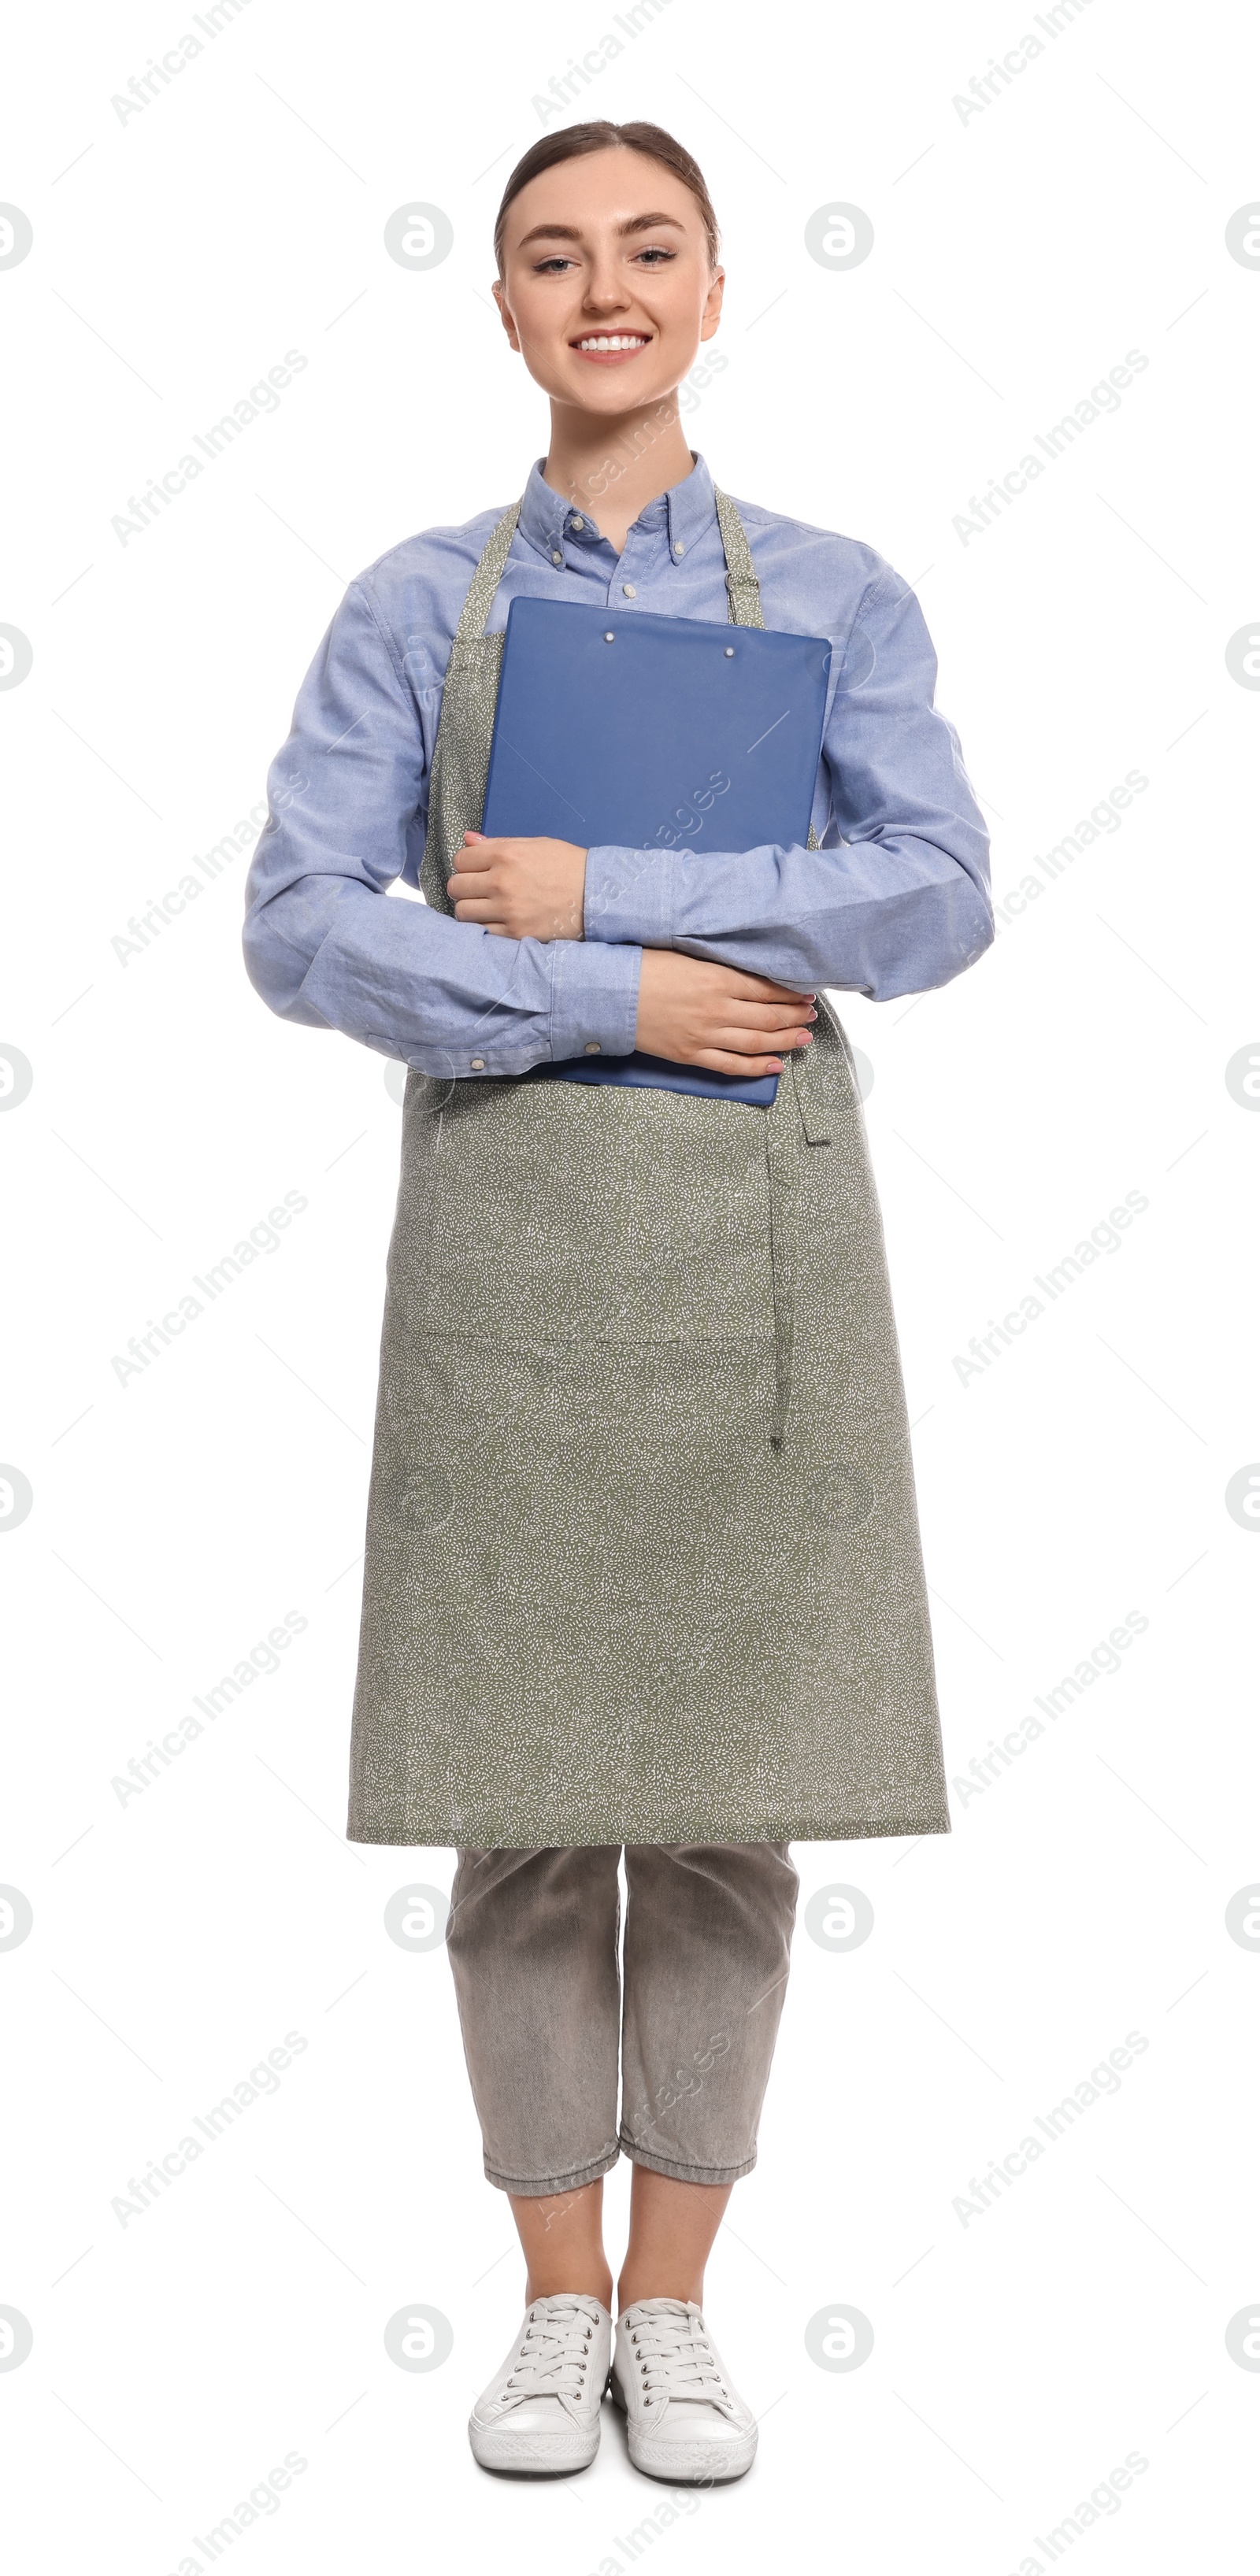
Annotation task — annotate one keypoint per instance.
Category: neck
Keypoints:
(611, 467)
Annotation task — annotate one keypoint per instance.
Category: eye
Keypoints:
(656, 254)
(552, 267)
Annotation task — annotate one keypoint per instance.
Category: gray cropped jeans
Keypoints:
(533, 1944)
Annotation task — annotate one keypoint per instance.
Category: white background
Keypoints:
(1018, 256)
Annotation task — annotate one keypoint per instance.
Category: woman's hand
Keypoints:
(520, 889)
(692, 1012)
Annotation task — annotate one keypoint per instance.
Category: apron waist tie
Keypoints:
(786, 1137)
(779, 1159)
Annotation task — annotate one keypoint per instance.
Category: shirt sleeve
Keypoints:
(324, 944)
(897, 903)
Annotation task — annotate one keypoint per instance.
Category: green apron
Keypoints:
(642, 1556)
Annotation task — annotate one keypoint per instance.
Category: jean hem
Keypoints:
(530, 2188)
(675, 2172)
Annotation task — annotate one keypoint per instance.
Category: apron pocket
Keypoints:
(565, 1213)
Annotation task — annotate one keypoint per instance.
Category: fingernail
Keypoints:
(775, 1064)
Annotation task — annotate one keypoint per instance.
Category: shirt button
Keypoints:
(593, 1046)
(557, 559)
(579, 523)
(479, 1064)
(679, 547)
(628, 590)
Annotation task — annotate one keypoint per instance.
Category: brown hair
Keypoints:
(572, 141)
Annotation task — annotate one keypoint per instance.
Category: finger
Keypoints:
(766, 1016)
(760, 988)
(749, 1068)
(476, 908)
(498, 929)
(733, 1037)
(779, 1046)
(470, 881)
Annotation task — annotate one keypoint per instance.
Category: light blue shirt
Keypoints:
(895, 900)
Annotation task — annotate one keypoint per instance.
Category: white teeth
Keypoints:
(616, 340)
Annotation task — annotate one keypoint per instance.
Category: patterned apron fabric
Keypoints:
(643, 1556)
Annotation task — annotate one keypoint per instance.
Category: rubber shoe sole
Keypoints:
(532, 2455)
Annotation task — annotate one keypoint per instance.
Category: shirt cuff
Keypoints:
(629, 895)
(594, 998)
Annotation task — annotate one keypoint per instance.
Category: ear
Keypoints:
(713, 306)
(505, 315)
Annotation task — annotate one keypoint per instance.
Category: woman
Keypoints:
(643, 1564)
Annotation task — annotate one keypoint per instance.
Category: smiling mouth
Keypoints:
(610, 344)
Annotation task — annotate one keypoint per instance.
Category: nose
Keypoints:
(605, 290)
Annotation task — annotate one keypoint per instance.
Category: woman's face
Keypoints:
(610, 247)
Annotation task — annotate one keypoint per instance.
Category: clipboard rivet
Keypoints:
(730, 652)
(609, 637)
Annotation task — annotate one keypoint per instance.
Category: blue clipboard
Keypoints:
(655, 733)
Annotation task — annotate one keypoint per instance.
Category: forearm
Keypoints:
(896, 901)
(326, 944)
(332, 952)
(872, 917)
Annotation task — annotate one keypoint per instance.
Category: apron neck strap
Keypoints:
(486, 579)
(742, 586)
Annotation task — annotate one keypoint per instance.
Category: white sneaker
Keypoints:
(685, 2422)
(540, 2414)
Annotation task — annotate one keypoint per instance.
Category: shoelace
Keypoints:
(675, 2356)
(553, 2359)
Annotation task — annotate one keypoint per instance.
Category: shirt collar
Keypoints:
(682, 514)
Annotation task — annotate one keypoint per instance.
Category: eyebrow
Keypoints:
(570, 232)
